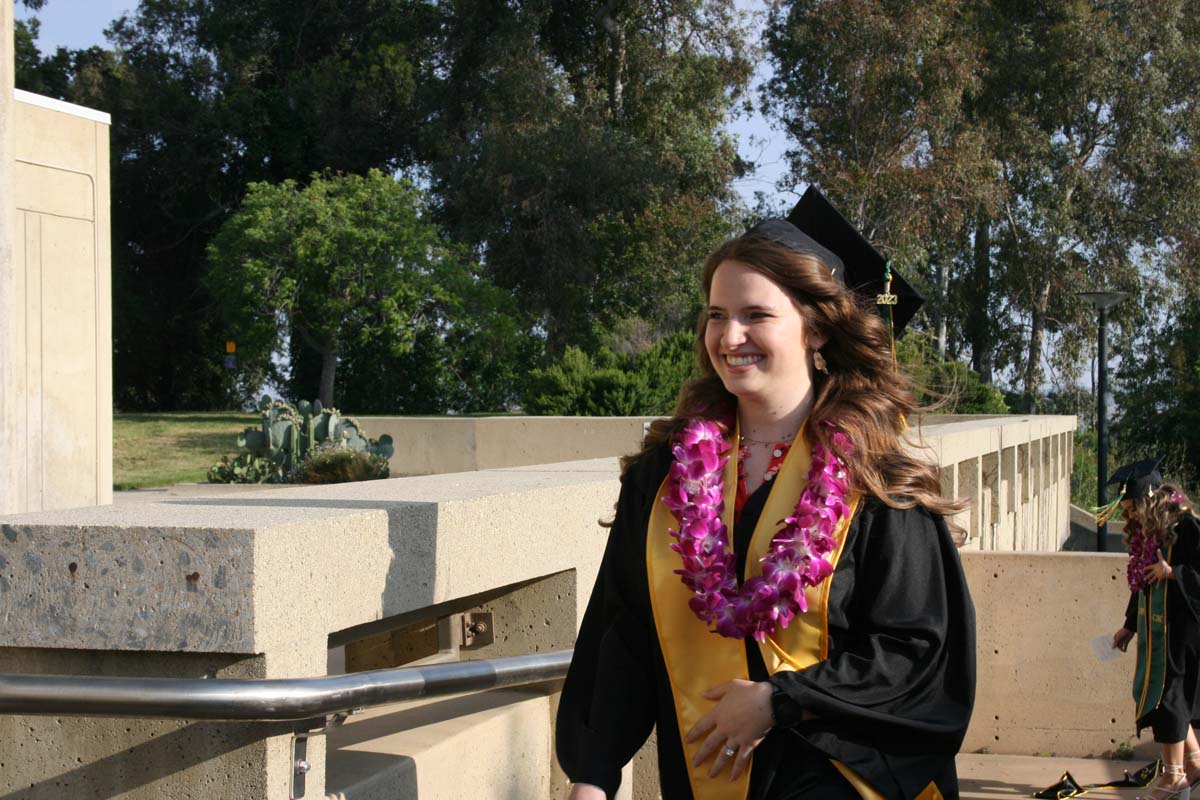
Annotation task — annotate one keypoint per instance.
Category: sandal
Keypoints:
(1180, 789)
(1192, 759)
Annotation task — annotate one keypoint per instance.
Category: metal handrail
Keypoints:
(278, 699)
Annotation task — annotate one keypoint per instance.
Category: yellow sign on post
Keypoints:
(231, 346)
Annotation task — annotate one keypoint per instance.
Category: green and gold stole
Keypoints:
(1150, 676)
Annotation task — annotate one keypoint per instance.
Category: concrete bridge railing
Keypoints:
(306, 581)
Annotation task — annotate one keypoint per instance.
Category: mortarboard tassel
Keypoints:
(888, 299)
(1105, 513)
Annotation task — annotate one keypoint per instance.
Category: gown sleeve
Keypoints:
(1131, 612)
(894, 697)
(1185, 568)
(607, 708)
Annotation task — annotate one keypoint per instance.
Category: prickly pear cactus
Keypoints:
(288, 436)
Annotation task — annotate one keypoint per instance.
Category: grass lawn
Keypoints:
(164, 449)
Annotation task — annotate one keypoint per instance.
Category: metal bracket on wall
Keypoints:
(477, 630)
(300, 765)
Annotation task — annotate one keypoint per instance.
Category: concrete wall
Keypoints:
(262, 584)
(1042, 688)
(265, 583)
(435, 445)
(59, 355)
(1015, 470)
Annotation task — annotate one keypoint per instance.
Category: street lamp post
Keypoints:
(1102, 301)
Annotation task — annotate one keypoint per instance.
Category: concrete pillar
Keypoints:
(12, 392)
(990, 501)
(970, 486)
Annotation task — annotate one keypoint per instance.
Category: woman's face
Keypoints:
(756, 337)
(1128, 511)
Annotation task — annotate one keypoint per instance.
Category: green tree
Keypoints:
(568, 138)
(344, 262)
(471, 355)
(874, 97)
(1095, 109)
(1008, 154)
(206, 97)
(1157, 394)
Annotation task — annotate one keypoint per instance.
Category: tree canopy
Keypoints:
(345, 262)
(574, 170)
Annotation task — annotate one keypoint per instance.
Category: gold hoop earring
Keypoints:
(819, 362)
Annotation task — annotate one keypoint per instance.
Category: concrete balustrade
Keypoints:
(255, 585)
(263, 584)
(1015, 470)
(436, 445)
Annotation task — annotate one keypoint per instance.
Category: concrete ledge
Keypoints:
(272, 575)
(436, 445)
(267, 572)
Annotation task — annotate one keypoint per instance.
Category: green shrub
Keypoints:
(245, 468)
(951, 387)
(608, 384)
(1083, 470)
(335, 464)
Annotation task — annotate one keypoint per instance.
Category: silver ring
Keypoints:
(730, 752)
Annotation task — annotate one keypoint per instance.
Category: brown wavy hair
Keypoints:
(864, 392)
(1158, 513)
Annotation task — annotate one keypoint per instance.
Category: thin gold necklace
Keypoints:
(747, 440)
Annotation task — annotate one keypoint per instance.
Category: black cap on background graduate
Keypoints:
(1139, 479)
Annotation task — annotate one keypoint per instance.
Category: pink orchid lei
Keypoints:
(796, 557)
(1143, 551)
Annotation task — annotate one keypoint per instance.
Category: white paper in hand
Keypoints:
(1102, 647)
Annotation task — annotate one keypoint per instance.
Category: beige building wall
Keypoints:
(12, 442)
(60, 353)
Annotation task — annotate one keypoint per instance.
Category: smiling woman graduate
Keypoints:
(780, 595)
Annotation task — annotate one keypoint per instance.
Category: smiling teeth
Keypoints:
(741, 361)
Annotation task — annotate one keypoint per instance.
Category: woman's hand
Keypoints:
(734, 727)
(585, 791)
(1160, 570)
(1122, 638)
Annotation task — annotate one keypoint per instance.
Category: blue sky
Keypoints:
(80, 23)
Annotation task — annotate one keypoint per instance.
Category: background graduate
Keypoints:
(1163, 539)
(780, 594)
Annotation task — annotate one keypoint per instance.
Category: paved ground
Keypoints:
(991, 777)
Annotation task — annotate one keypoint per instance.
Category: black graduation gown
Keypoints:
(892, 701)
(1180, 704)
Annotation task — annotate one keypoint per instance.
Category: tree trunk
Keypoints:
(328, 373)
(939, 306)
(616, 64)
(978, 323)
(1037, 332)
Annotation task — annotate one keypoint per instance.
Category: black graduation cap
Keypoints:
(1139, 479)
(1066, 787)
(815, 227)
